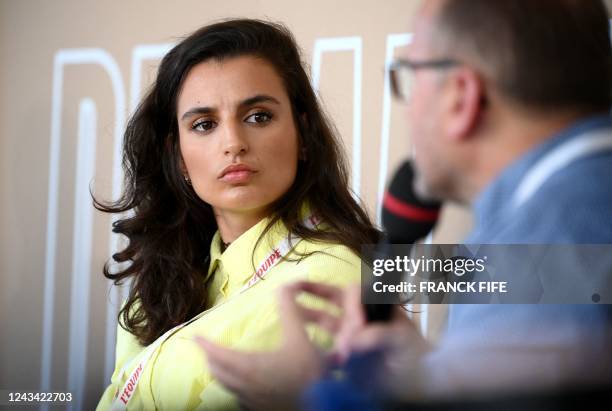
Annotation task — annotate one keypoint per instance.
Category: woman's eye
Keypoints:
(259, 117)
(203, 125)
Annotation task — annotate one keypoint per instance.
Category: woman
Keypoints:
(237, 185)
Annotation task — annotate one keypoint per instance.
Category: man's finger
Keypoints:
(353, 321)
(233, 370)
(294, 314)
(322, 318)
(352, 306)
(327, 292)
(226, 378)
(232, 361)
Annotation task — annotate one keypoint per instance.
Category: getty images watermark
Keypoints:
(485, 274)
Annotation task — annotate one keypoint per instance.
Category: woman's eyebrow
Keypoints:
(197, 110)
(258, 98)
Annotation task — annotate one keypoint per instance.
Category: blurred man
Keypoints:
(508, 106)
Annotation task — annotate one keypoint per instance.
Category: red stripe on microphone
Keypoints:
(399, 208)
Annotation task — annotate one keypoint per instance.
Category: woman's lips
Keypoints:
(237, 173)
(238, 176)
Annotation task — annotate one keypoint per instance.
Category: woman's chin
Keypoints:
(243, 205)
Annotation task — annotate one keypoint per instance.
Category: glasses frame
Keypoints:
(413, 66)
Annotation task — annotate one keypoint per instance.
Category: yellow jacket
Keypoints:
(176, 376)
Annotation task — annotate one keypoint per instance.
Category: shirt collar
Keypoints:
(495, 199)
(236, 264)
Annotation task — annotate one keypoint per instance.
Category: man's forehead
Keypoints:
(429, 9)
(424, 26)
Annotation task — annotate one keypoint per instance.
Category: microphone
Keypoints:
(406, 219)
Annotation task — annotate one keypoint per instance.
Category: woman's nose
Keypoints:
(235, 142)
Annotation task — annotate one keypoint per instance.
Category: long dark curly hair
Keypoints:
(169, 227)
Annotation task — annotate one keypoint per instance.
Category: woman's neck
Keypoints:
(233, 224)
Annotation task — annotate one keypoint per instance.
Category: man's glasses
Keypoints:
(402, 73)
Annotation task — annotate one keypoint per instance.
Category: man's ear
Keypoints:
(464, 104)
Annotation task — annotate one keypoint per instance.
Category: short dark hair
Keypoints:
(171, 228)
(547, 54)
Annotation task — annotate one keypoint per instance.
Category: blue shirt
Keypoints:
(573, 206)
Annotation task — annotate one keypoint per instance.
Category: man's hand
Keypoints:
(274, 380)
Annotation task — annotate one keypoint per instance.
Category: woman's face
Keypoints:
(237, 136)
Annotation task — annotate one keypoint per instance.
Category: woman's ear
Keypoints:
(183, 169)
